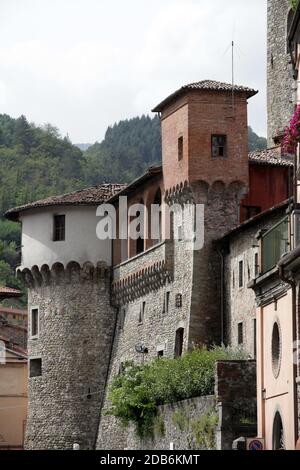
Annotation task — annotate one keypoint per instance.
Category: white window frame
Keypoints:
(35, 307)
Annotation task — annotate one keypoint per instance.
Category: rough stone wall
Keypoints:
(240, 304)
(281, 95)
(174, 424)
(235, 392)
(74, 344)
(221, 215)
(157, 331)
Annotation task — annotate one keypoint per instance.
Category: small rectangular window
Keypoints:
(219, 146)
(240, 334)
(34, 324)
(142, 312)
(256, 265)
(241, 274)
(180, 148)
(35, 367)
(166, 302)
(160, 353)
(59, 228)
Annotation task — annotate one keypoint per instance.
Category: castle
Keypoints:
(95, 304)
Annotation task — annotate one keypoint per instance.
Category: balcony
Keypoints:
(275, 243)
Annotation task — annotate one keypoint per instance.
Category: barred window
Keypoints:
(59, 228)
(219, 146)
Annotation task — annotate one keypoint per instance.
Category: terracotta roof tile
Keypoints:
(90, 196)
(6, 292)
(271, 156)
(206, 85)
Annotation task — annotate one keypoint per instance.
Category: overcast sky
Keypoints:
(84, 64)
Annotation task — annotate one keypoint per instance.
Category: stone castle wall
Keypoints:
(281, 87)
(240, 303)
(74, 344)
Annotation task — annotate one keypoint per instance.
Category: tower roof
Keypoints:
(205, 85)
(86, 197)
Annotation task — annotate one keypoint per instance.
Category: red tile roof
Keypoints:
(271, 156)
(205, 85)
(90, 196)
(6, 292)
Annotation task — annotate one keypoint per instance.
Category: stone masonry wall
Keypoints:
(175, 424)
(235, 392)
(240, 305)
(281, 86)
(74, 344)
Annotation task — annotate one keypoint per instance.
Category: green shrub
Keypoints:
(294, 4)
(140, 389)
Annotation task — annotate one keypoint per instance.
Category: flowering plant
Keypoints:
(292, 133)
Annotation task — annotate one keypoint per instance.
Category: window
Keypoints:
(219, 146)
(241, 273)
(278, 433)
(254, 339)
(178, 300)
(142, 312)
(180, 148)
(59, 228)
(35, 367)
(240, 333)
(160, 353)
(166, 302)
(276, 350)
(179, 342)
(256, 265)
(34, 323)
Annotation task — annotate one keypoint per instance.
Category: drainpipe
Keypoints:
(294, 334)
(221, 254)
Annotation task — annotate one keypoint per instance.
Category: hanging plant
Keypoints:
(291, 136)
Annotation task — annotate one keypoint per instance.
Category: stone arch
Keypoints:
(237, 188)
(201, 190)
(57, 272)
(73, 271)
(38, 279)
(28, 278)
(46, 274)
(87, 271)
(218, 186)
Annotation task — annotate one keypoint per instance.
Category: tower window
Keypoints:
(180, 148)
(59, 228)
(142, 312)
(166, 302)
(34, 322)
(256, 265)
(241, 273)
(35, 367)
(219, 146)
(240, 334)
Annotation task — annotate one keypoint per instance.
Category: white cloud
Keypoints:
(83, 65)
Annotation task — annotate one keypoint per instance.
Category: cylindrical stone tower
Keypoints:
(71, 321)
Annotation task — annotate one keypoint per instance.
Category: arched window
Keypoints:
(278, 433)
(289, 21)
(179, 342)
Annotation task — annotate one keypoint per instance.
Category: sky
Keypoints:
(83, 65)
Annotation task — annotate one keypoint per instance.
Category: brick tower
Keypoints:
(205, 152)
